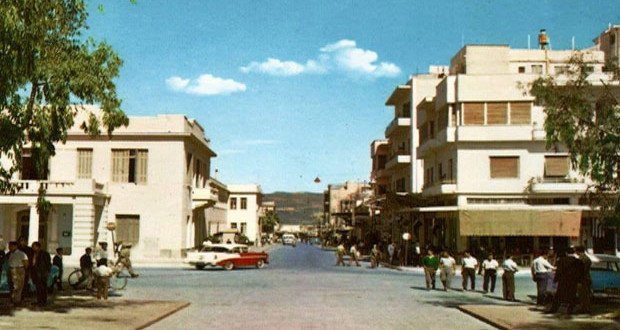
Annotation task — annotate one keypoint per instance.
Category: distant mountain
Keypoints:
(296, 208)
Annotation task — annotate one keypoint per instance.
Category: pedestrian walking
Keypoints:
(489, 266)
(585, 285)
(375, 256)
(468, 271)
(568, 275)
(102, 280)
(40, 266)
(541, 269)
(508, 278)
(447, 269)
(353, 255)
(18, 264)
(340, 255)
(430, 263)
(57, 261)
(86, 267)
(124, 259)
(391, 249)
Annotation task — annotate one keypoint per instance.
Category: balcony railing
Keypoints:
(80, 186)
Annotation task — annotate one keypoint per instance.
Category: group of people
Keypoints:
(569, 278)
(24, 264)
(354, 255)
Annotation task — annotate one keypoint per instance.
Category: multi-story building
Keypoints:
(141, 179)
(243, 211)
(346, 209)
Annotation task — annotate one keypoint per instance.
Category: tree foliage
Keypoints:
(269, 221)
(583, 114)
(48, 69)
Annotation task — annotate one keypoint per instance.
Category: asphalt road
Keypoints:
(302, 289)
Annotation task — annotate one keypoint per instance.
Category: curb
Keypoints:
(481, 318)
(163, 316)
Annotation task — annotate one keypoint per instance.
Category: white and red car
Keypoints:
(229, 256)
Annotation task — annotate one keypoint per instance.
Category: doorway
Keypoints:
(23, 227)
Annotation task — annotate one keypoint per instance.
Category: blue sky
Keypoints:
(291, 90)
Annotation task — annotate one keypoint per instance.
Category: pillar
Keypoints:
(33, 225)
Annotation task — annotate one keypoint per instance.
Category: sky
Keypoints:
(290, 90)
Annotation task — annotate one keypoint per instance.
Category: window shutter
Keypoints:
(85, 163)
(497, 113)
(556, 166)
(474, 114)
(142, 166)
(120, 165)
(504, 167)
(520, 113)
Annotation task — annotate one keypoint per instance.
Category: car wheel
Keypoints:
(260, 264)
(200, 267)
(229, 266)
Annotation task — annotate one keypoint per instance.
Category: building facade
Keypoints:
(244, 210)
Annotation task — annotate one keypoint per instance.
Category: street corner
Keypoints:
(525, 316)
(72, 311)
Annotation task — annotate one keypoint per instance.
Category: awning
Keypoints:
(519, 223)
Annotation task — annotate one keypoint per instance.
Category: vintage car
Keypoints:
(229, 256)
(605, 273)
(289, 239)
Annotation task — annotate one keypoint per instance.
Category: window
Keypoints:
(197, 172)
(442, 175)
(521, 69)
(28, 170)
(450, 170)
(497, 113)
(561, 69)
(85, 164)
(233, 203)
(473, 113)
(537, 69)
(556, 166)
(129, 165)
(401, 185)
(520, 113)
(233, 225)
(407, 110)
(244, 228)
(128, 228)
(504, 167)
(244, 203)
(431, 129)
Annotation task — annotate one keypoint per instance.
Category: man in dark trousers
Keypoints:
(585, 285)
(568, 274)
(86, 266)
(57, 261)
(23, 246)
(40, 266)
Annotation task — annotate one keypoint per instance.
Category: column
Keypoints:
(33, 225)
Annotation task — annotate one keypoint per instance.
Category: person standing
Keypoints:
(585, 286)
(489, 267)
(391, 249)
(86, 267)
(468, 271)
(340, 255)
(430, 263)
(57, 261)
(102, 280)
(23, 246)
(124, 259)
(447, 269)
(40, 266)
(18, 264)
(353, 255)
(101, 255)
(540, 274)
(375, 255)
(508, 278)
(569, 273)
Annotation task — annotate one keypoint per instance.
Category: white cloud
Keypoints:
(343, 55)
(205, 84)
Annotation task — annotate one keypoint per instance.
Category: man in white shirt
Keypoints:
(18, 264)
(540, 274)
(489, 266)
(353, 256)
(391, 250)
(468, 271)
(508, 278)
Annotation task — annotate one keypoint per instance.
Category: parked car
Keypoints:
(229, 256)
(289, 239)
(605, 274)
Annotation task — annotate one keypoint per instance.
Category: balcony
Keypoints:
(445, 186)
(399, 124)
(557, 185)
(398, 160)
(56, 188)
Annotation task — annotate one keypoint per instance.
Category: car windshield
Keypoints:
(605, 266)
(214, 249)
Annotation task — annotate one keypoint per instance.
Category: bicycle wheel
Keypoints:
(118, 282)
(74, 280)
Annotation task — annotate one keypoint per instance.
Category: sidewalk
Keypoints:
(77, 311)
(532, 317)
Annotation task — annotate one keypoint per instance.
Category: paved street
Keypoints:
(301, 288)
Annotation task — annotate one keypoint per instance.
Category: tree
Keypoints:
(269, 221)
(583, 114)
(48, 69)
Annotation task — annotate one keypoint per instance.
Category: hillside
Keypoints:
(296, 208)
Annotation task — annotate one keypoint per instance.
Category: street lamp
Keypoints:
(111, 226)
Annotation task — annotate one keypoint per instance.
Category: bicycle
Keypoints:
(118, 281)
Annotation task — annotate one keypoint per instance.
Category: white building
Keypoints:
(244, 209)
(142, 178)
